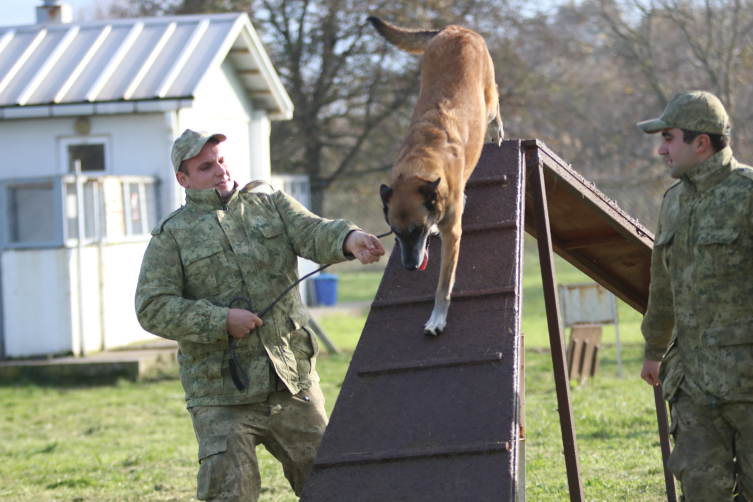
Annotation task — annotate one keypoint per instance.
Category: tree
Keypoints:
(353, 94)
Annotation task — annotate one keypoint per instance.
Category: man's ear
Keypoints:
(182, 179)
(702, 143)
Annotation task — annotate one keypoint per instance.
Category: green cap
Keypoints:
(190, 144)
(698, 111)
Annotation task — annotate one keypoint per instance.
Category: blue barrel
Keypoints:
(326, 289)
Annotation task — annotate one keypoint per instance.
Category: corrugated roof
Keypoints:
(112, 66)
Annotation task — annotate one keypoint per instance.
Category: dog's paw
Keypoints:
(436, 324)
(499, 134)
(429, 332)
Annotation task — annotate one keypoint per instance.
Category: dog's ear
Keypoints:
(386, 193)
(430, 193)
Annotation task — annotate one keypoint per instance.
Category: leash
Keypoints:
(240, 378)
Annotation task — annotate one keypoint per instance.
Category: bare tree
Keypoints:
(682, 45)
(352, 92)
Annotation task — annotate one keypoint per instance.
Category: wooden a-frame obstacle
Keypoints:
(431, 419)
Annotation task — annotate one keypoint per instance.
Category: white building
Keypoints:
(109, 97)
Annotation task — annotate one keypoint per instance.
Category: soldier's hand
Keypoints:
(240, 322)
(650, 372)
(366, 247)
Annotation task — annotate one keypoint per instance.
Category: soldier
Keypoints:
(699, 323)
(223, 244)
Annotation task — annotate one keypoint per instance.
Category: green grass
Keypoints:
(134, 441)
(125, 442)
(358, 287)
(615, 423)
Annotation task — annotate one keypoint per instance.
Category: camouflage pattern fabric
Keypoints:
(211, 251)
(290, 429)
(189, 144)
(701, 287)
(695, 111)
(707, 440)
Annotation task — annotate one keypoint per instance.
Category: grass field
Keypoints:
(134, 441)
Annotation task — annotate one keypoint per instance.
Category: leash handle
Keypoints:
(240, 377)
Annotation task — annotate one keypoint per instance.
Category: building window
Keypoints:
(91, 210)
(46, 212)
(91, 157)
(139, 207)
(91, 152)
(30, 213)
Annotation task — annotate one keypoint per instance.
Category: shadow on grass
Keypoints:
(33, 376)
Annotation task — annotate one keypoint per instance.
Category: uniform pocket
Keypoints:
(272, 229)
(199, 269)
(663, 244)
(305, 347)
(209, 480)
(314, 340)
(203, 376)
(730, 347)
(673, 421)
(738, 332)
(721, 253)
(719, 236)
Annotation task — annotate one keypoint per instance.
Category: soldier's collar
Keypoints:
(210, 199)
(711, 172)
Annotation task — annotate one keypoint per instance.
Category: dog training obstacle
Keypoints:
(437, 419)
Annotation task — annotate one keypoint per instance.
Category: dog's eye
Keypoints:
(397, 230)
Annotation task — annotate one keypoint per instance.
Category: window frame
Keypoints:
(58, 189)
(65, 142)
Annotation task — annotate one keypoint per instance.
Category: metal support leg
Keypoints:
(562, 385)
(661, 416)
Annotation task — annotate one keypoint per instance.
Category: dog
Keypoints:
(457, 101)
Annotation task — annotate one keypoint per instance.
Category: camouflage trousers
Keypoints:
(713, 448)
(288, 427)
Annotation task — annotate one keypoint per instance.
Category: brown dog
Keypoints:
(458, 98)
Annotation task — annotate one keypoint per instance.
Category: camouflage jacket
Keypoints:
(701, 295)
(207, 253)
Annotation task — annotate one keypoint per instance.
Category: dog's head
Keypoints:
(412, 207)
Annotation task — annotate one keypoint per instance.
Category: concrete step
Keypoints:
(133, 363)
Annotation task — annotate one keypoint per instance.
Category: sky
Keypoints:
(20, 12)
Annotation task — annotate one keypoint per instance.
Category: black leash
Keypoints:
(240, 378)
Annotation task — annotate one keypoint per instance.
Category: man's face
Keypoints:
(680, 156)
(207, 170)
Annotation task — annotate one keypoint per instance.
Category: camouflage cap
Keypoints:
(694, 111)
(190, 144)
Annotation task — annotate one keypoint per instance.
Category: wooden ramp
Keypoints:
(439, 419)
(435, 419)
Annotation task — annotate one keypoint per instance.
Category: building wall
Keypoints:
(40, 299)
(36, 302)
(121, 274)
(32, 147)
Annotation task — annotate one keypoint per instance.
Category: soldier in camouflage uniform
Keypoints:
(699, 323)
(227, 243)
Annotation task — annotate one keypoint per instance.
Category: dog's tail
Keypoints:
(412, 41)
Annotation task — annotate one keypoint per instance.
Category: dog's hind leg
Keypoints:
(450, 251)
(495, 132)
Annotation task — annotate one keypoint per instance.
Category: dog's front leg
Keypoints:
(450, 250)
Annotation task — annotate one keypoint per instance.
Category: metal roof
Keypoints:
(130, 65)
